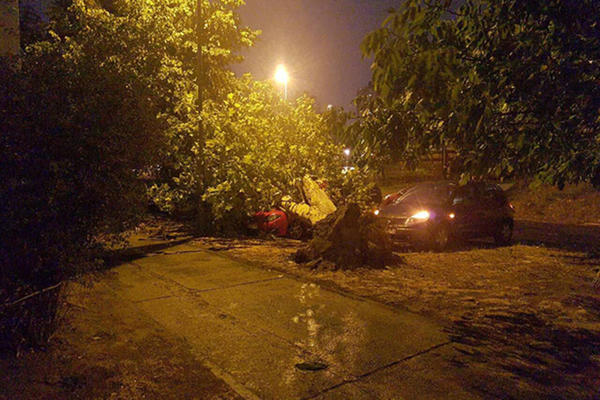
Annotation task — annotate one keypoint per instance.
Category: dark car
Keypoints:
(433, 214)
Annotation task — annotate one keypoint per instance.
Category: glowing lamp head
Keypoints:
(347, 152)
(376, 212)
(281, 75)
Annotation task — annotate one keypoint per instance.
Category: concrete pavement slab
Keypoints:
(345, 392)
(359, 335)
(202, 270)
(257, 326)
(263, 363)
(138, 286)
(422, 377)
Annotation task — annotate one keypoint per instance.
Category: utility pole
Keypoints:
(203, 211)
(200, 74)
(200, 81)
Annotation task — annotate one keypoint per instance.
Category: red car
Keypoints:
(274, 221)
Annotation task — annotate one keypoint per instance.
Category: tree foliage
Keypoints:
(382, 132)
(108, 95)
(257, 150)
(86, 115)
(512, 85)
(336, 122)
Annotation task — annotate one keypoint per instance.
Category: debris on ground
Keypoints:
(347, 239)
(296, 219)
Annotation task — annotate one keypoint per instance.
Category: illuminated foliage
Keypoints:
(383, 133)
(107, 105)
(85, 118)
(512, 85)
(258, 148)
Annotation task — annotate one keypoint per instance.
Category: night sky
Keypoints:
(318, 41)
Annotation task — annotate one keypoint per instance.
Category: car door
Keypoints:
(493, 201)
(467, 211)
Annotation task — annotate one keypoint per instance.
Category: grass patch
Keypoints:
(575, 204)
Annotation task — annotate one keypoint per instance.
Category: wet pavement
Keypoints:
(272, 336)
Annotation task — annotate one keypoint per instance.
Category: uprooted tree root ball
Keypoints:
(348, 239)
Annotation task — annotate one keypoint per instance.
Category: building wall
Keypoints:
(9, 27)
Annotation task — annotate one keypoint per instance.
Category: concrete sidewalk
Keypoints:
(270, 336)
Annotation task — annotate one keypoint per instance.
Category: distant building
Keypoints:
(9, 28)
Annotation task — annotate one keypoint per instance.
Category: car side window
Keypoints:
(463, 195)
(459, 198)
(493, 196)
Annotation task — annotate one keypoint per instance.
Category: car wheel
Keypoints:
(440, 238)
(503, 235)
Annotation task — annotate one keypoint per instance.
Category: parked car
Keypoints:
(273, 221)
(433, 214)
(278, 223)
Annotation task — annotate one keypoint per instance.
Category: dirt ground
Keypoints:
(525, 319)
(107, 349)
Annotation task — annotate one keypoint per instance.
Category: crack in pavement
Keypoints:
(173, 253)
(194, 291)
(357, 378)
(410, 357)
(152, 299)
(240, 284)
(187, 290)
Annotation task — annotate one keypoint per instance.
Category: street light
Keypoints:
(281, 76)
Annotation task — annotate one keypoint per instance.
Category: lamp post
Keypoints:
(282, 77)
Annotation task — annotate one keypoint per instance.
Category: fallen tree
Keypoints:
(316, 207)
(347, 239)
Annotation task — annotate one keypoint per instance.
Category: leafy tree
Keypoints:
(382, 133)
(257, 151)
(87, 113)
(512, 85)
(336, 121)
(109, 95)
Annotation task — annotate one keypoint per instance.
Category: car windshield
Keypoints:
(427, 194)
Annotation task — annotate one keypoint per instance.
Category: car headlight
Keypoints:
(421, 216)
